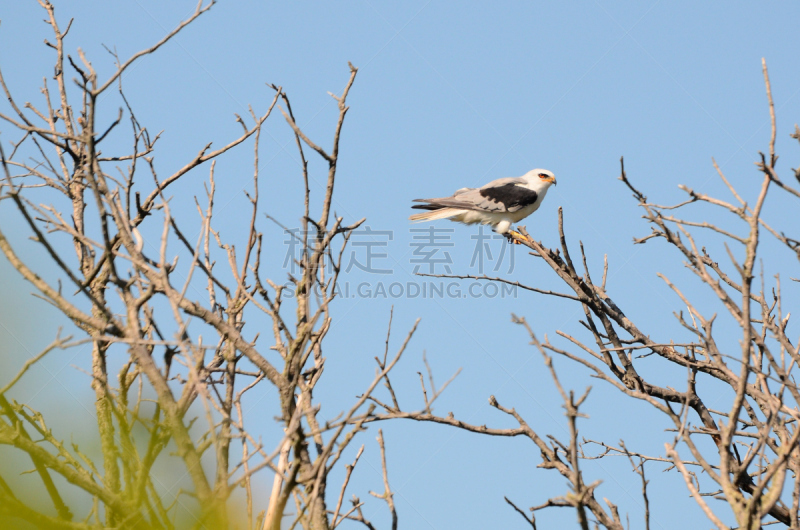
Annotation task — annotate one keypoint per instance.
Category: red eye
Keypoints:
(543, 175)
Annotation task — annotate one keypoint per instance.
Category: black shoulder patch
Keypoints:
(510, 196)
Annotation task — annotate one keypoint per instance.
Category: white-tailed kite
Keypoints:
(499, 203)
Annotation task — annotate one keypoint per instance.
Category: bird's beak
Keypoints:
(553, 180)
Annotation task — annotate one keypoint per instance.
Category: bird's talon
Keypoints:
(515, 238)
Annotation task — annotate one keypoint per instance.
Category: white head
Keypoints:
(540, 177)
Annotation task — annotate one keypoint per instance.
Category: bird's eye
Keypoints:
(543, 175)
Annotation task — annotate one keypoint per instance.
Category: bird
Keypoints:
(499, 203)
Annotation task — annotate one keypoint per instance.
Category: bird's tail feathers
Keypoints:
(442, 213)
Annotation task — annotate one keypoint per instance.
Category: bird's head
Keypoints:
(541, 175)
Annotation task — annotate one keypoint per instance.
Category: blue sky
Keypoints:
(453, 94)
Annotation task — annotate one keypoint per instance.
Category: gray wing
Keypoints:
(501, 195)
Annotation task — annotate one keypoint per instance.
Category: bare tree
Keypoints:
(754, 465)
(127, 286)
(127, 280)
